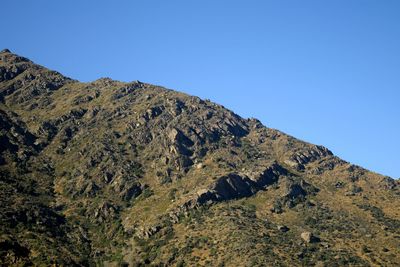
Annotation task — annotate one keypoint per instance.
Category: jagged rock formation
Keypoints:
(132, 174)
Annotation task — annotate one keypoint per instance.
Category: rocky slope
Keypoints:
(131, 174)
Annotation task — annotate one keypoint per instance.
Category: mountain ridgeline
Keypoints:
(109, 173)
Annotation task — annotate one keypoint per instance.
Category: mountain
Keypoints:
(109, 173)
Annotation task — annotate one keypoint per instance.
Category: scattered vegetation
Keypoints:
(131, 174)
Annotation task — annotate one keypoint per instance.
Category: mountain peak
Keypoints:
(7, 57)
(134, 174)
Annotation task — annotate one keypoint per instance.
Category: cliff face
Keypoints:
(108, 172)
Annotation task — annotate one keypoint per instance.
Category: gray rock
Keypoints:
(283, 228)
(309, 237)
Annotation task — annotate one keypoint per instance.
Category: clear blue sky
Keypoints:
(327, 72)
